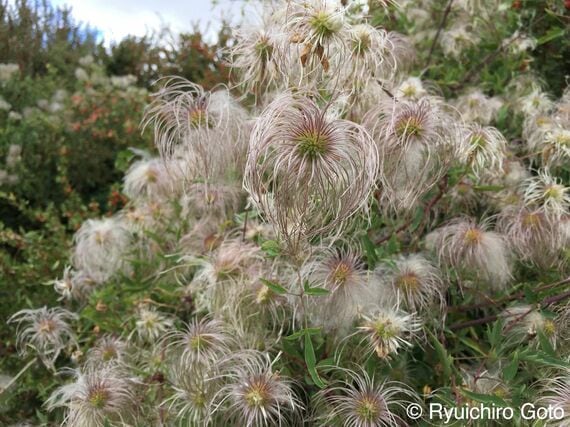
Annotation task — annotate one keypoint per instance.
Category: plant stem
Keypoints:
(18, 375)
(439, 30)
(487, 319)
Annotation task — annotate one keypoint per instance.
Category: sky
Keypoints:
(116, 19)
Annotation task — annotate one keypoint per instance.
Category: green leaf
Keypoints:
(303, 332)
(544, 359)
(530, 295)
(311, 361)
(489, 399)
(316, 291)
(473, 345)
(445, 359)
(271, 248)
(552, 34)
(393, 244)
(275, 287)
(510, 371)
(545, 344)
(370, 250)
(326, 363)
(495, 333)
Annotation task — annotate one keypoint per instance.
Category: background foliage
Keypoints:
(74, 108)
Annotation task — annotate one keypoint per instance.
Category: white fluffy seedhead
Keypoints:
(482, 148)
(361, 401)
(202, 342)
(307, 173)
(151, 325)
(194, 388)
(469, 248)
(100, 246)
(411, 281)
(108, 350)
(535, 103)
(256, 395)
(387, 330)
(148, 179)
(416, 142)
(524, 323)
(370, 60)
(205, 129)
(555, 394)
(534, 235)
(343, 274)
(548, 138)
(457, 40)
(215, 281)
(477, 107)
(411, 88)
(259, 55)
(211, 200)
(46, 331)
(403, 53)
(555, 150)
(98, 395)
(74, 285)
(317, 32)
(547, 193)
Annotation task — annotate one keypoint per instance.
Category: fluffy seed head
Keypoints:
(482, 148)
(45, 330)
(342, 273)
(194, 390)
(108, 349)
(534, 235)
(151, 325)
(477, 107)
(556, 394)
(412, 89)
(413, 139)
(318, 29)
(361, 401)
(100, 246)
(97, 395)
(257, 396)
(412, 281)
(556, 148)
(76, 285)
(305, 172)
(523, 322)
(471, 249)
(258, 56)
(536, 102)
(188, 121)
(371, 57)
(201, 342)
(211, 200)
(148, 179)
(545, 192)
(457, 40)
(389, 330)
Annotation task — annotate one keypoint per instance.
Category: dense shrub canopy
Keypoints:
(370, 211)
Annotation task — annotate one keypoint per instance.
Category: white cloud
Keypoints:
(119, 18)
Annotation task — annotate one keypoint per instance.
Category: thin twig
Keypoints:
(508, 298)
(18, 375)
(439, 30)
(244, 230)
(487, 319)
